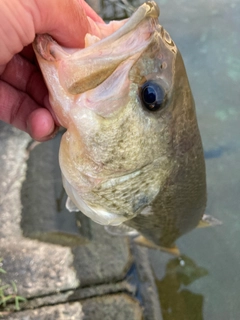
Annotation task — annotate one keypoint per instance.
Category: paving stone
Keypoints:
(37, 268)
(112, 307)
(105, 259)
(12, 167)
(65, 311)
(44, 214)
(78, 294)
(147, 288)
(40, 269)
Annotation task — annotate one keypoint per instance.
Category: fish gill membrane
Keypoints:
(132, 157)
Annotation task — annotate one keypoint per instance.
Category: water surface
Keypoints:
(206, 285)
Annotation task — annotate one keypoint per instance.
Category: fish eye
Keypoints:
(153, 95)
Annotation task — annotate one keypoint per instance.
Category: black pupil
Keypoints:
(149, 94)
(153, 95)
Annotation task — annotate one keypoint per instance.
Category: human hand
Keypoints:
(23, 93)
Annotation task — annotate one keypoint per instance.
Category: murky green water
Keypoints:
(206, 284)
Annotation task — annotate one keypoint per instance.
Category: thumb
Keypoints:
(64, 20)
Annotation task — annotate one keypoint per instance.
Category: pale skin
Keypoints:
(23, 93)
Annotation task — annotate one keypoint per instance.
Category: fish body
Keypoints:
(132, 153)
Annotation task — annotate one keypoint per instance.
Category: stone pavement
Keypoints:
(64, 264)
(108, 307)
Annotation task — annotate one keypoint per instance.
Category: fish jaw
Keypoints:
(70, 72)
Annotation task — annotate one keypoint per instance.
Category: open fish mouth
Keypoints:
(101, 42)
(50, 50)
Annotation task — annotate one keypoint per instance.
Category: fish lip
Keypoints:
(50, 50)
(147, 10)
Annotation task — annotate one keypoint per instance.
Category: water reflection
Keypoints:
(178, 302)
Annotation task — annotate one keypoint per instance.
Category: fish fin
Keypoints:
(142, 241)
(71, 206)
(208, 221)
(121, 230)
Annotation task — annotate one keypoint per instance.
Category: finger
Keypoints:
(40, 125)
(24, 76)
(16, 108)
(64, 20)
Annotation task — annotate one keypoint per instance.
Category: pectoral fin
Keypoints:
(147, 243)
(71, 206)
(121, 230)
(208, 221)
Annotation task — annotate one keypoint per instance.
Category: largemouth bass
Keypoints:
(132, 153)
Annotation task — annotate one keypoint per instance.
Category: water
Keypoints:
(207, 284)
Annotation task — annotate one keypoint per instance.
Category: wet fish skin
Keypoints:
(121, 162)
(181, 201)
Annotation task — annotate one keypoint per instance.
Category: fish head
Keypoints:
(127, 106)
